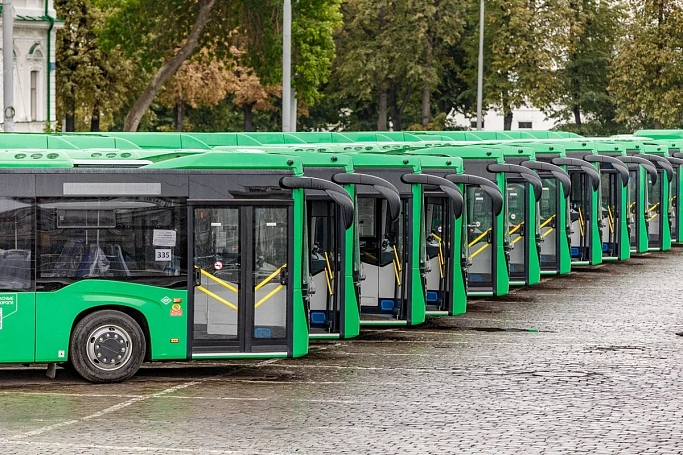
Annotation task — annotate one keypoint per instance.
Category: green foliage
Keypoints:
(647, 71)
(89, 76)
(582, 78)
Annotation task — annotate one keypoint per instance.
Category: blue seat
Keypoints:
(318, 317)
(262, 332)
(386, 305)
(575, 252)
(432, 296)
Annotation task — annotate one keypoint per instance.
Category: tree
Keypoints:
(390, 49)
(647, 71)
(583, 76)
(195, 83)
(522, 42)
(160, 36)
(91, 82)
(170, 66)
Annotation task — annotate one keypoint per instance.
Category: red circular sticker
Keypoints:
(218, 265)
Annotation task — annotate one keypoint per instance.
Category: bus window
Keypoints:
(16, 244)
(138, 239)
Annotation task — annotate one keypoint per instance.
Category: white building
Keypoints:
(35, 30)
(528, 118)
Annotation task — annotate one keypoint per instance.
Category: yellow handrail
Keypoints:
(269, 295)
(400, 269)
(580, 221)
(479, 250)
(398, 279)
(473, 242)
(217, 280)
(217, 297)
(547, 221)
(270, 277)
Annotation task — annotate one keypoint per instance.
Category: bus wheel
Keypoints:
(107, 346)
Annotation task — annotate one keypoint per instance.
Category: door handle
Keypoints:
(284, 277)
(197, 276)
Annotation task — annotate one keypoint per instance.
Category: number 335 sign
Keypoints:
(162, 254)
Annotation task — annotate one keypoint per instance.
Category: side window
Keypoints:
(17, 234)
(141, 240)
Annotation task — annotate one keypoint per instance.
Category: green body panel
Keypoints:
(274, 138)
(316, 137)
(35, 158)
(172, 141)
(34, 141)
(85, 141)
(300, 318)
(216, 139)
(57, 311)
(17, 327)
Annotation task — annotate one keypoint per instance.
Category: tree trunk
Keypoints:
(95, 120)
(577, 115)
(179, 116)
(426, 106)
(396, 110)
(248, 109)
(507, 119)
(658, 125)
(169, 68)
(382, 120)
(70, 123)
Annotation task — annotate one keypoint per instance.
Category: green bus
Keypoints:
(670, 140)
(104, 268)
(659, 209)
(599, 229)
(555, 224)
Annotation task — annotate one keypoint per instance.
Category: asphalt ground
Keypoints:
(586, 363)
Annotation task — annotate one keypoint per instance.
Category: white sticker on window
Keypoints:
(216, 224)
(271, 224)
(162, 254)
(163, 237)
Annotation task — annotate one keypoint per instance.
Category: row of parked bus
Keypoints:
(116, 248)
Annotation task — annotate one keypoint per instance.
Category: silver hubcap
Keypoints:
(109, 347)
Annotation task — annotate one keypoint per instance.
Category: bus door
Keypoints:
(439, 225)
(516, 214)
(324, 266)
(639, 198)
(611, 192)
(437, 260)
(240, 291)
(658, 207)
(483, 203)
(580, 201)
(522, 227)
(677, 162)
(549, 211)
(384, 262)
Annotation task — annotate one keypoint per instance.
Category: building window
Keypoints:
(34, 96)
(473, 124)
(525, 125)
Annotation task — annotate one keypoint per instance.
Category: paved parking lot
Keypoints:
(586, 363)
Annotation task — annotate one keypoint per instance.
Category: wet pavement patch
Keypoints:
(602, 375)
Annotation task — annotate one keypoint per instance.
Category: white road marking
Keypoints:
(122, 405)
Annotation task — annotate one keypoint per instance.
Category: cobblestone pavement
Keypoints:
(587, 363)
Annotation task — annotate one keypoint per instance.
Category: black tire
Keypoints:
(107, 346)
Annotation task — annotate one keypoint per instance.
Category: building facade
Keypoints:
(35, 31)
(522, 118)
